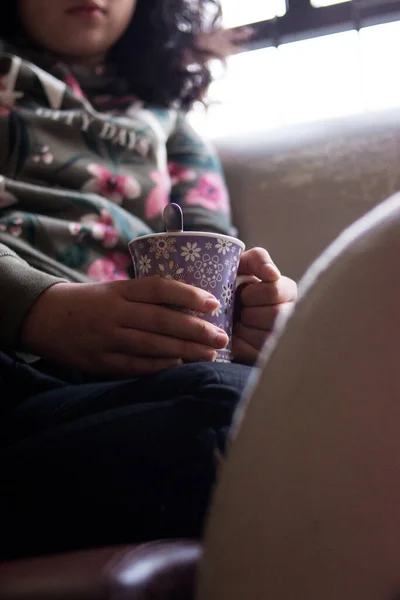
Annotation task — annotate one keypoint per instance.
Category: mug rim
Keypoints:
(221, 236)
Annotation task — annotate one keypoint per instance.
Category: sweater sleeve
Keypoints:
(198, 183)
(20, 286)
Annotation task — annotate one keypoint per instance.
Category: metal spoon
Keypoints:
(173, 218)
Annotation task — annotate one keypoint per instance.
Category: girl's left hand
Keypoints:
(261, 302)
(221, 43)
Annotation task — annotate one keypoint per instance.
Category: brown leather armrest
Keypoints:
(153, 571)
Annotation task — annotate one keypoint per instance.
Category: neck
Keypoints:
(91, 62)
(94, 61)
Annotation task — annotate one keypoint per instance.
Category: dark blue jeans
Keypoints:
(96, 463)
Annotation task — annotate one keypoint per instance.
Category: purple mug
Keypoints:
(209, 261)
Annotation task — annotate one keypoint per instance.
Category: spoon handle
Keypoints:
(173, 218)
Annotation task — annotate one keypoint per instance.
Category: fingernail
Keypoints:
(272, 270)
(211, 303)
(208, 357)
(221, 339)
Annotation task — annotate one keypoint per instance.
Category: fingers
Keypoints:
(258, 262)
(131, 366)
(243, 352)
(242, 34)
(154, 345)
(172, 323)
(236, 39)
(277, 292)
(263, 317)
(223, 42)
(156, 290)
(256, 338)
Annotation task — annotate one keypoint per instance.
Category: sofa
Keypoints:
(155, 571)
(293, 191)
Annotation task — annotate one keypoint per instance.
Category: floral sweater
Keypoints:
(84, 168)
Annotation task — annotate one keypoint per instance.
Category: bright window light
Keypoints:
(320, 78)
(380, 46)
(242, 12)
(319, 3)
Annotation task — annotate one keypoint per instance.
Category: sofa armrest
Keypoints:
(153, 571)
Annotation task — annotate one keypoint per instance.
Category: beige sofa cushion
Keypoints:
(293, 190)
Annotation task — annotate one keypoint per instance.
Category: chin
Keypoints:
(86, 45)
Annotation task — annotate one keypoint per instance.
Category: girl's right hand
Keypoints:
(122, 328)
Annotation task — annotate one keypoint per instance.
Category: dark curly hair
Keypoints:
(157, 55)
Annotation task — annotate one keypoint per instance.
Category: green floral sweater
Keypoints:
(84, 168)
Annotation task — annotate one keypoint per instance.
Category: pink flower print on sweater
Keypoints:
(5, 99)
(114, 267)
(159, 196)
(74, 86)
(103, 228)
(116, 188)
(42, 154)
(179, 173)
(211, 193)
(15, 226)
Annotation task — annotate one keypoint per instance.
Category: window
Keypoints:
(313, 77)
(239, 12)
(320, 3)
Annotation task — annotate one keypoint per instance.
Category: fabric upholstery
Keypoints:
(154, 571)
(295, 189)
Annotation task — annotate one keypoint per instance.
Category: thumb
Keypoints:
(258, 262)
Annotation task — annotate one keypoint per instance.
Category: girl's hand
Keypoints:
(261, 302)
(221, 43)
(122, 328)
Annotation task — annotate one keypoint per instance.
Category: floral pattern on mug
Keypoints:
(162, 246)
(223, 246)
(171, 270)
(228, 293)
(217, 312)
(208, 271)
(145, 264)
(191, 251)
(198, 260)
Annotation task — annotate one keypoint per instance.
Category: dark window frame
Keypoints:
(304, 21)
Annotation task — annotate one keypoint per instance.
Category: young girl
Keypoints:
(93, 144)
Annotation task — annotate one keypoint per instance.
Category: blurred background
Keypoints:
(310, 60)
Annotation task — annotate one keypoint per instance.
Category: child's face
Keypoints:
(76, 29)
